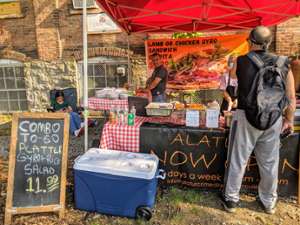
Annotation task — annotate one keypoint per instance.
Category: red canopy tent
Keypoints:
(136, 16)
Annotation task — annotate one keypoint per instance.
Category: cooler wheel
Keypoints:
(144, 213)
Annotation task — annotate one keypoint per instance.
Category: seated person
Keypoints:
(60, 105)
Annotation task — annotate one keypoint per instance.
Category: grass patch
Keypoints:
(178, 219)
(5, 118)
(178, 196)
(194, 209)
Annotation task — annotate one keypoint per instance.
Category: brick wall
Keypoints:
(70, 27)
(49, 30)
(288, 37)
(19, 33)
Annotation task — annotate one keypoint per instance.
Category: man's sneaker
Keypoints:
(268, 210)
(229, 206)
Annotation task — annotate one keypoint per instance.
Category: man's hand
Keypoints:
(235, 104)
(154, 83)
(230, 104)
(287, 126)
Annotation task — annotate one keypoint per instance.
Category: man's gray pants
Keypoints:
(243, 139)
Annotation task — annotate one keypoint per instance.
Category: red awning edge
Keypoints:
(137, 16)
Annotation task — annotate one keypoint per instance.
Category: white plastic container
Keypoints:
(212, 118)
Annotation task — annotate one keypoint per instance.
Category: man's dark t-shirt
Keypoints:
(162, 73)
(246, 72)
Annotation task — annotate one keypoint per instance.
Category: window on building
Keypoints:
(77, 5)
(90, 4)
(103, 73)
(12, 87)
(10, 8)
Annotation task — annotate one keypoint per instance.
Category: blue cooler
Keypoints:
(116, 183)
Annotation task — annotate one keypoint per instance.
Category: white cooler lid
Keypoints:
(119, 163)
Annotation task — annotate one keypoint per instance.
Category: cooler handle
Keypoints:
(161, 174)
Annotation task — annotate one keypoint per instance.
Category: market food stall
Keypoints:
(195, 67)
(187, 133)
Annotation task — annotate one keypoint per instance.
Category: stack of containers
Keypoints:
(116, 183)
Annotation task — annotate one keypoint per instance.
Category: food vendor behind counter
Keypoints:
(157, 83)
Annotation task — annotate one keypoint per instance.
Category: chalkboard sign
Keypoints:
(37, 163)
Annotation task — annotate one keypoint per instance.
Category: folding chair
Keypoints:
(70, 97)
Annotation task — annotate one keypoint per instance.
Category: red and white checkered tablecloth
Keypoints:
(124, 137)
(107, 104)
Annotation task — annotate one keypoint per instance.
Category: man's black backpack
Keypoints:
(267, 97)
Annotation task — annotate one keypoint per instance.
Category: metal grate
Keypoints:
(101, 75)
(12, 89)
(99, 70)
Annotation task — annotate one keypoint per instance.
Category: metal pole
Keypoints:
(129, 78)
(85, 76)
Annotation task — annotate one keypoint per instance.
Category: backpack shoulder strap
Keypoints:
(256, 59)
(280, 61)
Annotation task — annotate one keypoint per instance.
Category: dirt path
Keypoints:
(174, 207)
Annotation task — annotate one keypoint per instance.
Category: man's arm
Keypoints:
(227, 96)
(162, 74)
(290, 93)
(232, 71)
(154, 83)
(228, 99)
(148, 82)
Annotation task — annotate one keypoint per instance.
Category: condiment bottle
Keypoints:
(131, 117)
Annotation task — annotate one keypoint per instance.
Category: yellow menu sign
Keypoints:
(10, 8)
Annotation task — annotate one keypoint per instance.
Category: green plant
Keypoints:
(177, 196)
(187, 34)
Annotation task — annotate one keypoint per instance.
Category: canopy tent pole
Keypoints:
(85, 76)
(129, 80)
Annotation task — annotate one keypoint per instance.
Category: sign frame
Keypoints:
(60, 208)
(110, 29)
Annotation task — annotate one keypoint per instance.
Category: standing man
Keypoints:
(265, 93)
(158, 81)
